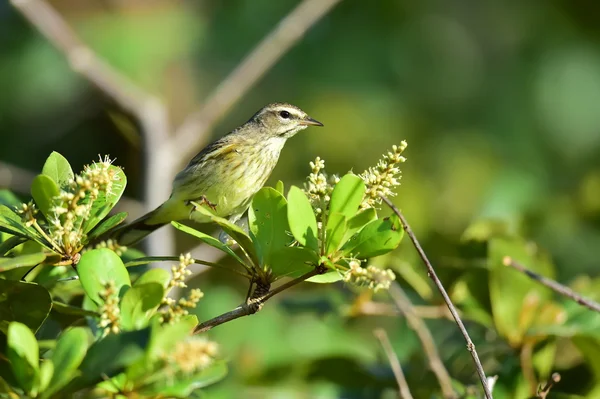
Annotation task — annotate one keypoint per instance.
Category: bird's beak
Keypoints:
(308, 121)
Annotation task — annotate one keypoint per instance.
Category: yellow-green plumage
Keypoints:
(228, 172)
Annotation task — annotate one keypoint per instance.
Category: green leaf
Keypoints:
(68, 354)
(21, 261)
(46, 372)
(280, 187)
(301, 219)
(376, 238)
(9, 199)
(10, 243)
(509, 289)
(107, 224)
(213, 242)
(293, 262)
(99, 266)
(160, 276)
(267, 218)
(334, 234)
(184, 386)
(43, 191)
(58, 169)
(234, 231)
(111, 355)
(10, 222)
(23, 302)
(358, 221)
(23, 353)
(326, 278)
(106, 201)
(347, 196)
(139, 303)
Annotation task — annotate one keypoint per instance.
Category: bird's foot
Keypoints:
(201, 201)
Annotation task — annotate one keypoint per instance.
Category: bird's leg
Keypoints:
(202, 201)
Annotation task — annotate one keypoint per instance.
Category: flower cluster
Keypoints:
(373, 277)
(28, 212)
(176, 309)
(74, 203)
(192, 355)
(110, 315)
(381, 179)
(318, 188)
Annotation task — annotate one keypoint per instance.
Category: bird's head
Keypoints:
(283, 120)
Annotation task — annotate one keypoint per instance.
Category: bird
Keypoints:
(227, 173)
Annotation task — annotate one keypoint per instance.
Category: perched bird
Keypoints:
(227, 173)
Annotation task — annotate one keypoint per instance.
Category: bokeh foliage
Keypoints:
(497, 98)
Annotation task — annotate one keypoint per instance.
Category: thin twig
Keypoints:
(545, 390)
(553, 285)
(190, 136)
(382, 336)
(442, 290)
(417, 324)
(254, 304)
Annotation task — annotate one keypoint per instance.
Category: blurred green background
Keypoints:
(498, 100)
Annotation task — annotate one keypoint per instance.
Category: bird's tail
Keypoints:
(138, 229)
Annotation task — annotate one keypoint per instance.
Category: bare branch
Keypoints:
(545, 390)
(82, 59)
(381, 335)
(553, 285)
(417, 324)
(191, 135)
(254, 304)
(432, 274)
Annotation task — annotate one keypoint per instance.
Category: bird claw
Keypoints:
(201, 201)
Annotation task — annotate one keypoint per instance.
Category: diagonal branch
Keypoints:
(553, 285)
(190, 136)
(432, 274)
(417, 324)
(254, 304)
(381, 335)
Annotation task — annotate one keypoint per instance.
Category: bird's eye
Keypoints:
(284, 114)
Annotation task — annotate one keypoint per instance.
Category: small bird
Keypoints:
(227, 173)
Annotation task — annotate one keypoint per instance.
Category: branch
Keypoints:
(553, 285)
(190, 136)
(442, 290)
(253, 305)
(545, 390)
(381, 335)
(417, 324)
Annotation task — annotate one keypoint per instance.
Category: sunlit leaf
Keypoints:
(10, 243)
(335, 231)
(301, 219)
(99, 266)
(58, 169)
(376, 238)
(213, 242)
(107, 224)
(347, 195)
(183, 387)
(160, 276)
(21, 261)
(43, 191)
(139, 303)
(293, 261)
(234, 231)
